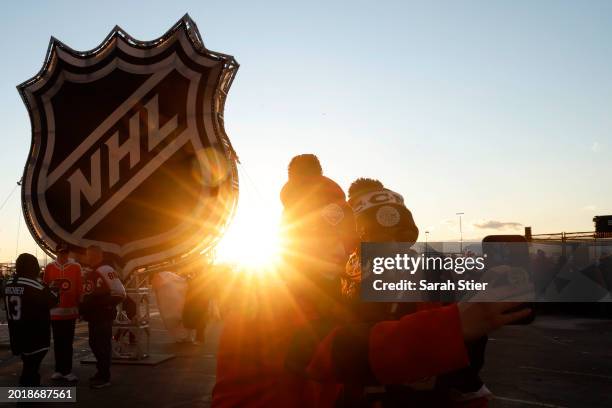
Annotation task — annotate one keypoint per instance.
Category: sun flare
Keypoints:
(252, 241)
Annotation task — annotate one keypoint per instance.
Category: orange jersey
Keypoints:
(68, 279)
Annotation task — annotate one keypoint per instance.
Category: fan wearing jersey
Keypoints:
(103, 291)
(27, 310)
(65, 273)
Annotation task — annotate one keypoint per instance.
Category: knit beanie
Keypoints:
(379, 209)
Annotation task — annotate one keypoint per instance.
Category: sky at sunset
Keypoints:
(500, 110)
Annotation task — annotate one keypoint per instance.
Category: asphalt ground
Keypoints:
(556, 361)
(181, 382)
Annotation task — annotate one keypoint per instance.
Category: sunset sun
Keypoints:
(251, 241)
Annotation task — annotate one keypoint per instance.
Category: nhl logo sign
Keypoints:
(128, 147)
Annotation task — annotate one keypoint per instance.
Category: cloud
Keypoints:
(596, 147)
(498, 225)
(449, 221)
(589, 207)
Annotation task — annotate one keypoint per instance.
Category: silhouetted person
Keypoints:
(28, 302)
(103, 291)
(381, 216)
(195, 311)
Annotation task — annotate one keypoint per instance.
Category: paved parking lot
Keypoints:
(554, 362)
(184, 381)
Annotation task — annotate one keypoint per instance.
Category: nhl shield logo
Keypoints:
(128, 147)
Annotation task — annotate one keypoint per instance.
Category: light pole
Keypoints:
(426, 239)
(460, 233)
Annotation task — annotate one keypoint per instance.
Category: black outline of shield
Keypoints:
(182, 43)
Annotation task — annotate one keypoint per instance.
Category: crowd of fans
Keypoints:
(38, 306)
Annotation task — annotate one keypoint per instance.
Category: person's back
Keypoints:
(27, 308)
(265, 341)
(103, 291)
(28, 303)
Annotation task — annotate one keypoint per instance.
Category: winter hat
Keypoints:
(378, 209)
(307, 188)
(314, 204)
(304, 165)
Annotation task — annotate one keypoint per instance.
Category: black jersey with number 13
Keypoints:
(27, 310)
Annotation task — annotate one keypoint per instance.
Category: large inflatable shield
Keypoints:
(128, 147)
